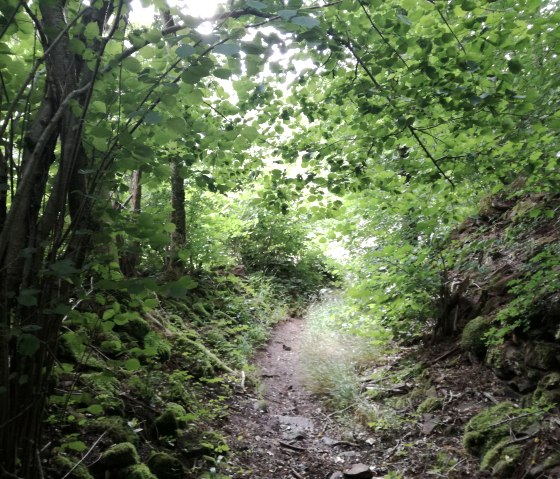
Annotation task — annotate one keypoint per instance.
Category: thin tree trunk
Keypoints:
(128, 260)
(178, 217)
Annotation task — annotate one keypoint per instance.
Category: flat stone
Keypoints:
(358, 471)
(337, 475)
(298, 423)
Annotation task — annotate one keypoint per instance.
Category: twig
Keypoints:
(340, 411)
(296, 474)
(290, 446)
(392, 451)
(444, 355)
(510, 419)
(84, 456)
(490, 397)
(344, 443)
(39, 465)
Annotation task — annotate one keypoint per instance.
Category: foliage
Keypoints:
(129, 152)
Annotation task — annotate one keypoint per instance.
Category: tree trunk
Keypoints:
(128, 260)
(178, 218)
(35, 236)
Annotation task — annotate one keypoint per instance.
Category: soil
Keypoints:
(279, 430)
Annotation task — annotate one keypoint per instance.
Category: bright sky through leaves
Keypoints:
(197, 8)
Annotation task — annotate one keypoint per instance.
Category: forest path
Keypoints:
(280, 430)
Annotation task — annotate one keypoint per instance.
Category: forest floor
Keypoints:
(279, 430)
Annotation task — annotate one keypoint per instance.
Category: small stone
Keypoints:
(329, 441)
(337, 475)
(358, 471)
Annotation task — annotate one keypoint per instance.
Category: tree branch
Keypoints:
(380, 33)
(429, 155)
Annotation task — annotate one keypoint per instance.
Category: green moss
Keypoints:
(137, 471)
(429, 405)
(111, 404)
(506, 360)
(543, 356)
(165, 466)
(116, 427)
(119, 456)
(491, 426)
(502, 459)
(548, 390)
(168, 422)
(472, 339)
(64, 464)
(137, 328)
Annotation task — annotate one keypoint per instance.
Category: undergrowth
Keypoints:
(155, 370)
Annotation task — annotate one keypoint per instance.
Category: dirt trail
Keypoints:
(280, 430)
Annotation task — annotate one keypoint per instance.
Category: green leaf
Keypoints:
(28, 297)
(132, 364)
(188, 282)
(308, 22)
(132, 65)
(194, 97)
(177, 125)
(98, 107)
(95, 409)
(256, 4)
(194, 74)
(152, 118)
(91, 31)
(169, 227)
(250, 132)
(222, 73)
(185, 51)
(28, 344)
(77, 446)
(287, 14)
(227, 49)
(63, 269)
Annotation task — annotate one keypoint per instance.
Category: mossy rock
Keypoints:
(63, 465)
(548, 390)
(543, 356)
(165, 466)
(137, 328)
(111, 405)
(506, 360)
(137, 471)
(491, 426)
(472, 338)
(430, 404)
(116, 427)
(170, 420)
(502, 459)
(119, 456)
